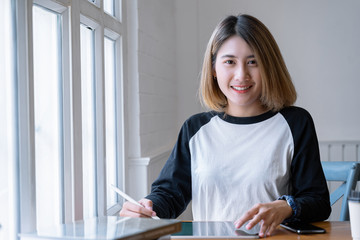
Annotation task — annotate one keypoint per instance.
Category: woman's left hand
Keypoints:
(269, 214)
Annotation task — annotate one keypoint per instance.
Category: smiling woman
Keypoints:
(254, 146)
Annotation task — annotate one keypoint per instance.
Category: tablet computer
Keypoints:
(109, 227)
(213, 229)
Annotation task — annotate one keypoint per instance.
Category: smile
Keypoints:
(241, 88)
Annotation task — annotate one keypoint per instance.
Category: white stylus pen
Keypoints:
(130, 199)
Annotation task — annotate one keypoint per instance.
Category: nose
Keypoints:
(242, 73)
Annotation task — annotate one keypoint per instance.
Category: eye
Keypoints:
(252, 62)
(230, 62)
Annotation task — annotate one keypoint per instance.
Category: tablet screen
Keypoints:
(214, 229)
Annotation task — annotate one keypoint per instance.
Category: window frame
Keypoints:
(104, 25)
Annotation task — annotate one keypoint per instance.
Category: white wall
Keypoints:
(189, 57)
(157, 74)
(153, 121)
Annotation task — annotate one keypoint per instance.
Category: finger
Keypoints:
(136, 211)
(127, 213)
(238, 223)
(246, 217)
(271, 229)
(255, 220)
(263, 229)
(148, 204)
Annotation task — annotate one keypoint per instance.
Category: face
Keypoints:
(239, 79)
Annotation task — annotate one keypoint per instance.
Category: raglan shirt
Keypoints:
(226, 164)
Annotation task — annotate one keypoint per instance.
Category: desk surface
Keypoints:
(334, 231)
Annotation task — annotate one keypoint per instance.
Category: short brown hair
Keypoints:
(278, 90)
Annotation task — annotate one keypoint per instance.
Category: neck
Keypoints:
(246, 112)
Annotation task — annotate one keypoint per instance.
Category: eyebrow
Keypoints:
(233, 56)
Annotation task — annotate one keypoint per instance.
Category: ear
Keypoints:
(214, 74)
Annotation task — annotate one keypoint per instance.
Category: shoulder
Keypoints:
(201, 117)
(296, 116)
(300, 123)
(196, 121)
(295, 112)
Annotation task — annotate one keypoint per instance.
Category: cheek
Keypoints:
(219, 68)
(256, 76)
(222, 73)
(223, 85)
(256, 71)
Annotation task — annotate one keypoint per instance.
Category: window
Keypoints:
(113, 8)
(110, 116)
(109, 6)
(62, 102)
(48, 115)
(88, 120)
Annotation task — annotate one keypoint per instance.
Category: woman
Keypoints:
(254, 158)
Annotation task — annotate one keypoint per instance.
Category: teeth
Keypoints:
(241, 88)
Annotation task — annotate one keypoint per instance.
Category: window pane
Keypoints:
(47, 104)
(110, 111)
(7, 122)
(109, 7)
(88, 120)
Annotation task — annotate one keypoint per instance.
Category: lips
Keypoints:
(241, 89)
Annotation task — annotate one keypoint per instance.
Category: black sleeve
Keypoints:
(309, 187)
(171, 191)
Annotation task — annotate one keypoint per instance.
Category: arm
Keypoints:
(171, 192)
(310, 195)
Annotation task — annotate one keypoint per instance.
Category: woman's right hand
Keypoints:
(132, 210)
